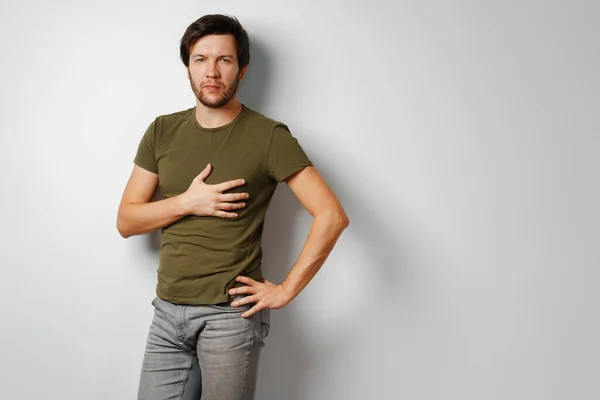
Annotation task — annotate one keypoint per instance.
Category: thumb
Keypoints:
(205, 172)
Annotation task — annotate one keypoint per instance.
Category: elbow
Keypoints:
(344, 220)
(122, 231)
(337, 218)
(122, 228)
(341, 222)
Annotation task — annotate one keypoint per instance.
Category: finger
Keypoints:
(221, 187)
(230, 206)
(205, 172)
(232, 197)
(252, 311)
(242, 290)
(244, 301)
(246, 280)
(224, 214)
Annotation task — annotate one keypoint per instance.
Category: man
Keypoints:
(217, 166)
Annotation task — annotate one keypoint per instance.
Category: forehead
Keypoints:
(214, 45)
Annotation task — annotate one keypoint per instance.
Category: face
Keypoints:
(213, 71)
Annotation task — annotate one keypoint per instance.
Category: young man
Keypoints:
(217, 166)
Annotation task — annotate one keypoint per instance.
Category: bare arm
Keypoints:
(329, 222)
(137, 215)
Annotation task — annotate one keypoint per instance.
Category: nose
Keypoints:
(212, 70)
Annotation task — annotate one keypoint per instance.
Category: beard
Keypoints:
(221, 100)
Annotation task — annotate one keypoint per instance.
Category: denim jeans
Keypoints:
(206, 352)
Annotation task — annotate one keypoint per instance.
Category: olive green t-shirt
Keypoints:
(200, 257)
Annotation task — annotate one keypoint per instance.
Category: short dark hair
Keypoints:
(216, 24)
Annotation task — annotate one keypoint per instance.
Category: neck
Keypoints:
(216, 117)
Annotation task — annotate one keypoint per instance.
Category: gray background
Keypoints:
(461, 136)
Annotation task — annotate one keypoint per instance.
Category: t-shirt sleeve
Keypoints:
(146, 156)
(285, 156)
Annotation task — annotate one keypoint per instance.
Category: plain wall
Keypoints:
(462, 137)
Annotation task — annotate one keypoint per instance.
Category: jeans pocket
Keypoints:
(265, 322)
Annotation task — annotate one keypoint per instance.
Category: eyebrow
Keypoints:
(202, 55)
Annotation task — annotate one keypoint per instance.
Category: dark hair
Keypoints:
(216, 24)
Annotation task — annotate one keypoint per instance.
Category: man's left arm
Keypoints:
(329, 222)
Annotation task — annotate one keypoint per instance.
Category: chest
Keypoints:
(182, 157)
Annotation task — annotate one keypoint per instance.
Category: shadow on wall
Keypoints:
(367, 212)
(286, 360)
(289, 362)
(256, 84)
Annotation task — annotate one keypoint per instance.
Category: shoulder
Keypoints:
(261, 122)
(173, 119)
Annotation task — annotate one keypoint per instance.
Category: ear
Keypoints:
(243, 72)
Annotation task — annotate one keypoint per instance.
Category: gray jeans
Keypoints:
(206, 352)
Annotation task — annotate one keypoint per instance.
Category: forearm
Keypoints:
(324, 233)
(138, 219)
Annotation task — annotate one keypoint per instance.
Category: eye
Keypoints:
(227, 60)
(198, 60)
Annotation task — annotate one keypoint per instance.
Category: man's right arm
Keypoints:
(137, 214)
